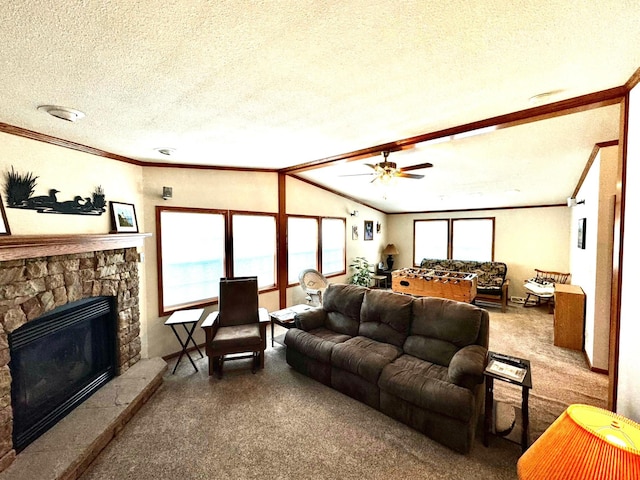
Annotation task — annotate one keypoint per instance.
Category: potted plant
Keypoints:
(362, 275)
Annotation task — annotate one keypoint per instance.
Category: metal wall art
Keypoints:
(20, 188)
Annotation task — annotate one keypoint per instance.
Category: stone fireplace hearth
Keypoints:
(34, 282)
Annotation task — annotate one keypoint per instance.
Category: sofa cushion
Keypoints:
(385, 317)
(311, 345)
(237, 336)
(440, 328)
(364, 357)
(427, 386)
(329, 335)
(342, 305)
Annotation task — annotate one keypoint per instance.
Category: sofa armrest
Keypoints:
(310, 319)
(467, 366)
(505, 288)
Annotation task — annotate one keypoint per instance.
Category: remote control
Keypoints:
(508, 359)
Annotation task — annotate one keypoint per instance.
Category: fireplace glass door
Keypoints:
(58, 361)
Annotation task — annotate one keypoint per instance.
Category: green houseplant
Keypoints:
(362, 272)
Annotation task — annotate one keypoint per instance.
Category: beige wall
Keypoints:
(305, 199)
(72, 173)
(246, 191)
(525, 239)
(591, 266)
(216, 189)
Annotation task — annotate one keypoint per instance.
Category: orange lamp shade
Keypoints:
(584, 443)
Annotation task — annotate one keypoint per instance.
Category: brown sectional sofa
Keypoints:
(418, 360)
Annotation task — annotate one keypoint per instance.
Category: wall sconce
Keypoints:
(355, 213)
(167, 193)
(572, 202)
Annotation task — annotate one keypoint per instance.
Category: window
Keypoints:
(473, 239)
(431, 239)
(333, 245)
(302, 245)
(254, 247)
(458, 239)
(315, 242)
(191, 255)
(197, 247)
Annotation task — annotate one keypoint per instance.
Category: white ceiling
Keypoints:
(272, 84)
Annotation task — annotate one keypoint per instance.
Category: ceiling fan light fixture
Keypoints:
(63, 113)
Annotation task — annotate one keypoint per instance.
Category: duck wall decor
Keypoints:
(19, 190)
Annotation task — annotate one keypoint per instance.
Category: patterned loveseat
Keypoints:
(493, 284)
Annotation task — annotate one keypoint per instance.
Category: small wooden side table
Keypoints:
(526, 385)
(379, 280)
(285, 318)
(188, 319)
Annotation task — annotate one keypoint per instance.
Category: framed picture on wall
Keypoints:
(354, 232)
(4, 225)
(123, 217)
(368, 229)
(582, 233)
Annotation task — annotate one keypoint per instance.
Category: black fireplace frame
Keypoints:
(26, 430)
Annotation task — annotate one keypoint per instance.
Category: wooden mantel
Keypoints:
(14, 247)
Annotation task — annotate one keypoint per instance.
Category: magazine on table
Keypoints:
(507, 370)
(287, 314)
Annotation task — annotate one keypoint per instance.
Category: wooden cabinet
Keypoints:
(568, 317)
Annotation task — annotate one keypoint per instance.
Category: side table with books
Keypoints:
(285, 318)
(516, 371)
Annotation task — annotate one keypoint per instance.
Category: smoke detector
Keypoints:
(166, 151)
(64, 113)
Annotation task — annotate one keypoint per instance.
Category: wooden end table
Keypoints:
(286, 318)
(525, 384)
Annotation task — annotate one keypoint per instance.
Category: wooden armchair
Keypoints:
(542, 287)
(238, 326)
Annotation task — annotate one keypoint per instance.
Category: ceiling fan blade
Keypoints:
(416, 167)
(409, 175)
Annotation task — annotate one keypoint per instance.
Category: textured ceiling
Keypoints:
(271, 84)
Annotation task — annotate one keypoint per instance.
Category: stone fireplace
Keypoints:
(39, 274)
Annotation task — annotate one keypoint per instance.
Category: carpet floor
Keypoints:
(279, 424)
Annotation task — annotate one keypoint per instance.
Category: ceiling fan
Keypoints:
(385, 170)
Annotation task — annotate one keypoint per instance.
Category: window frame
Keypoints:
(343, 271)
(416, 221)
(450, 222)
(319, 249)
(493, 233)
(228, 259)
(230, 253)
